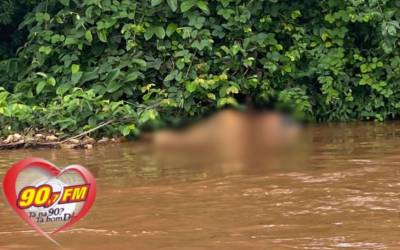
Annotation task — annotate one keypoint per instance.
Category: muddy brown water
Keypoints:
(339, 191)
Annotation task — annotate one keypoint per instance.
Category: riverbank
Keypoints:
(48, 140)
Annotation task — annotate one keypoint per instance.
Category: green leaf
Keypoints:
(147, 115)
(41, 74)
(42, 17)
(76, 77)
(159, 31)
(131, 77)
(148, 34)
(232, 90)
(102, 34)
(70, 41)
(173, 4)
(171, 29)
(75, 68)
(45, 50)
(127, 129)
(203, 6)
(187, 5)
(51, 81)
(88, 36)
(114, 86)
(113, 75)
(225, 3)
(62, 89)
(155, 2)
(88, 76)
(65, 123)
(171, 76)
(227, 101)
(40, 86)
(211, 96)
(3, 98)
(191, 86)
(140, 62)
(391, 30)
(64, 2)
(180, 64)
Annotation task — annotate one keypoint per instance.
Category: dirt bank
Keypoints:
(46, 140)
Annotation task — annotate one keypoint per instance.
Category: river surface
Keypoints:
(339, 190)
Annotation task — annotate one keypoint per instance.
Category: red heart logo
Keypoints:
(27, 173)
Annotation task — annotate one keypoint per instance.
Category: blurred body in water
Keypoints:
(233, 138)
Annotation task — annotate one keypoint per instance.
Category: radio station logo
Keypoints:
(47, 198)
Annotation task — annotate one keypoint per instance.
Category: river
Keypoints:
(339, 190)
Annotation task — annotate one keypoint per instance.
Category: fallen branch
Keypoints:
(29, 145)
(12, 145)
(87, 132)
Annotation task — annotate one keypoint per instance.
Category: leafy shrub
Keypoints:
(156, 62)
(12, 13)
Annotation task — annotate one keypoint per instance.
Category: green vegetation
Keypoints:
(70, 65)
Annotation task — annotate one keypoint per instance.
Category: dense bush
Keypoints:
(151, 63)
(12, 13)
